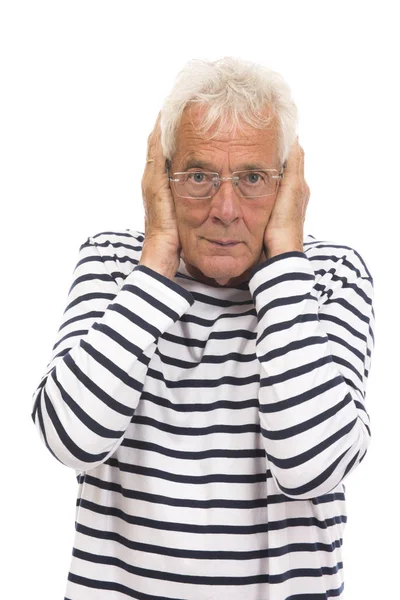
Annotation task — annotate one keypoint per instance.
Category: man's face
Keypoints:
(225, 216)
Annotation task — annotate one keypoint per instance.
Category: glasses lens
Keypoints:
(255, 183)
(196, 184)
(202, 184)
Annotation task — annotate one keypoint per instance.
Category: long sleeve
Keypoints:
(314, 342)
(85, 401)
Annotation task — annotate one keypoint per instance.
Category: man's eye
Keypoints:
(253, 177)
(197, 177)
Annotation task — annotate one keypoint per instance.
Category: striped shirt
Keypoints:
(210, 428)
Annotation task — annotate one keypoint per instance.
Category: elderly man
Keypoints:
(208, 380)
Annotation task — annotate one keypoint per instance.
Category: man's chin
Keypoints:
(219, 273)
(221, 266)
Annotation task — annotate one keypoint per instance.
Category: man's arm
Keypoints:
(86, 399)
(315, 352)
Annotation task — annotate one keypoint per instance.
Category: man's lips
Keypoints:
(224, 242)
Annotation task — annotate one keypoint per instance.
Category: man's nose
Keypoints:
(225, 204)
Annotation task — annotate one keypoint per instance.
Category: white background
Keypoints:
(81, 86)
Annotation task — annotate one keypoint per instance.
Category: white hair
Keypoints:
(231, 89)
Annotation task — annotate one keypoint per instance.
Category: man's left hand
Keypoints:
(285, 228)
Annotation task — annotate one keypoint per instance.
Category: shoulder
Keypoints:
(119, 249)
(117, 238)
(330, 256)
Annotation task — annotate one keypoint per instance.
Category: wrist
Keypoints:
(159, 260)
(161, 269)
(284, 242)
(275, 250)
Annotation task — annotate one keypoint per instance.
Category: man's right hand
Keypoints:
(162, 245)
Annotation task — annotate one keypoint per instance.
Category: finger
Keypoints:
(152, 132)
(296, 153)
(294, 165)
(154, 150)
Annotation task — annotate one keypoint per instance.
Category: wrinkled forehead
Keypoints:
(247, 138)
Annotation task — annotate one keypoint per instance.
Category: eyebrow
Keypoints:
(202, 164)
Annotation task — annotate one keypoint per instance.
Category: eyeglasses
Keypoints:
(247, 184)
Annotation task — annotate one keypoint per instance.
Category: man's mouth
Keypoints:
(216, 243)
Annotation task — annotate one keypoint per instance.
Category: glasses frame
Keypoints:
(218, 179)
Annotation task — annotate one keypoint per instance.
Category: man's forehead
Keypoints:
(191, 127)
(193, 144)
(257, 144)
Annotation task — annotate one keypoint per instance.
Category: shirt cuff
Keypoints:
(281, 264)
(163, 288)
